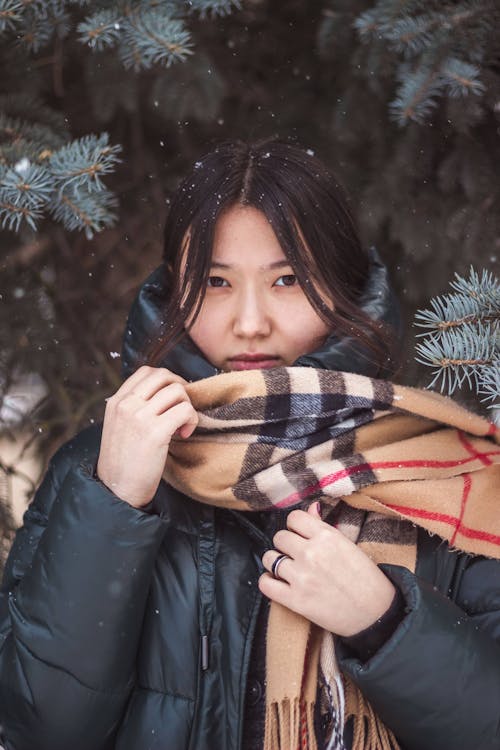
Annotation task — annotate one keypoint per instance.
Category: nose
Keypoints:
(251, 316)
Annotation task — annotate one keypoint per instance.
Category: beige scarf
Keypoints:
(383, 458)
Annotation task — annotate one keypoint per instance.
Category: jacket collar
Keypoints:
(145, 320)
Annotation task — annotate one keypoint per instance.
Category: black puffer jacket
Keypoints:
(122, 629)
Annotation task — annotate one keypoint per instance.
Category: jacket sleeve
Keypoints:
(71, 609)
(436, 681)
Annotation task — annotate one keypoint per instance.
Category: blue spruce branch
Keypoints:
(484, 288)
(10, 14)
(102, 29)
(490, 382)
(447, 43)
(24, 191)
(40, 171)
(459, 355)
(417, 95)
(214, 8)
(80, 210)
(462, 340)
(83, 162)
(461, 78)
(147, 32)
(152, 38)
(41, 168)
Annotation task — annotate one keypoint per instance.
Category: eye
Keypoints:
(288, 279)
(216, 281)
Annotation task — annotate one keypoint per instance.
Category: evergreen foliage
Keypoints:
(41, 169)
(416, 111)
(436, 57)
(462, 338)
(39, 174)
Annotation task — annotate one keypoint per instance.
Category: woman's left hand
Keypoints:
(328, 580)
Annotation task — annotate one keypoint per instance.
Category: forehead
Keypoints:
(244, 235)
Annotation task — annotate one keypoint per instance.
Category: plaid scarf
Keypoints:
(381, 458)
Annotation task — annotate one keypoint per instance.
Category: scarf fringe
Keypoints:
(369, 732)
(289, 725)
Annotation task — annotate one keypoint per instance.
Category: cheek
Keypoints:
(207, 327)
(306, 329)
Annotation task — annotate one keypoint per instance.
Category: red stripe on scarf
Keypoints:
(483, 457)
(330, 479)
(433, 464)
(465, 494)
(304, 734)
(451, 520)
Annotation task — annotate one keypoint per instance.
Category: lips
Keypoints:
(253, 361)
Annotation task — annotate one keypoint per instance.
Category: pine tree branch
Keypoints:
(461, 78)
(470, 319)
(214, 8)
(464, 348)
(84, 161)
(12, 216)
(490, 384)
(416, 96)
(484, 289)
(152, 37)
(10, 14)
(77, 209)
(446, 362)
(102, 29)
(84, 219)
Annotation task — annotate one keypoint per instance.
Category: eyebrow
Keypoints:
(268, 267)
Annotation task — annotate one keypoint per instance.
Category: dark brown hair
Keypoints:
(308, 212)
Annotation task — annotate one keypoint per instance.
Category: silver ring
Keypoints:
(276, 564)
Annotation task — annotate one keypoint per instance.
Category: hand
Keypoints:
(139, 421)
(329, 580)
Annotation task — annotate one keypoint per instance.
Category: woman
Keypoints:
(143, 613)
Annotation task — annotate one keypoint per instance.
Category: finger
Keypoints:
(315, 510)
(147, 380)
(129, 383)
(289, 542)
(166, 397)
(156, 381)
(186, 430)
(181, 417)
(303, 523)
(269, 557)
(277, 591)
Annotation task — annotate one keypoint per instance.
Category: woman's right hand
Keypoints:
(139, 421)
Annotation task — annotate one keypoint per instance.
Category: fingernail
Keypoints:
(318, 508)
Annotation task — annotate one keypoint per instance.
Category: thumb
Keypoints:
(187, 429)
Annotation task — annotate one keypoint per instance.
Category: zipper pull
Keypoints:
(204, 652)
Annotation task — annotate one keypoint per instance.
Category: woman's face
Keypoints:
(254, 314)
